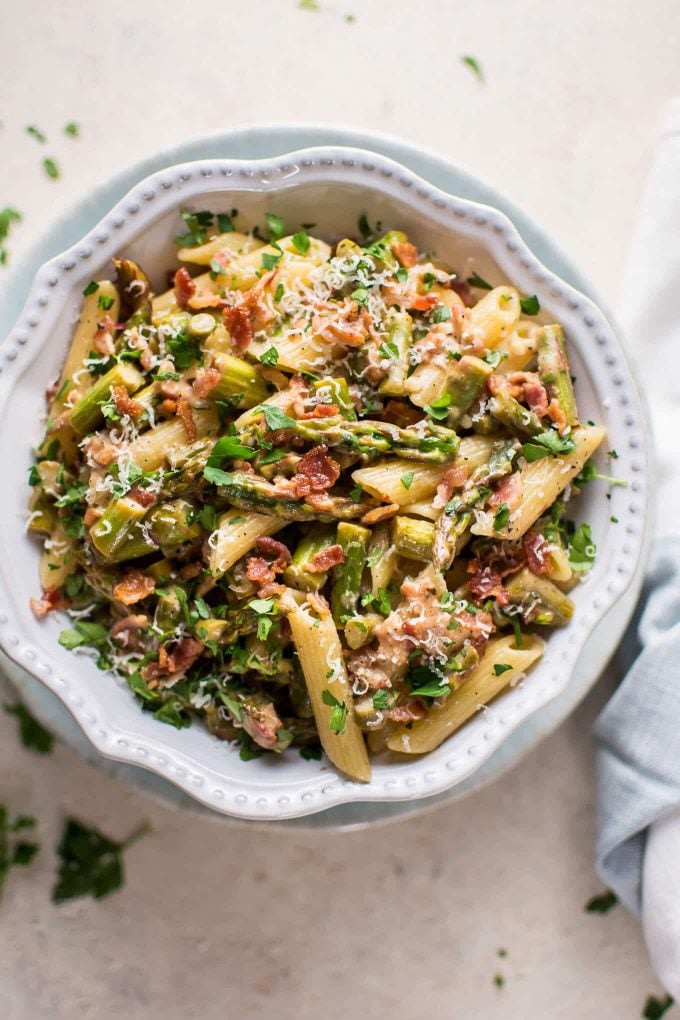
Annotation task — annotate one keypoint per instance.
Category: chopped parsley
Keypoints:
(270, 356)
(276, 418)
(301, 242)
(364, 227)
(90, 863)
(51, 168)
(8, 216)
(494, 358)
(500, 518)
(312, 753)
(407, 479)
(582, 549)
(547, 443)
(500, 668)
(338, 716)
(601, 904)
(278, 294)
(72, 129)
(439, 408)
(381, 699)
(198, 225)
(360, 295)
(270, 261)
(589, 473)
(104, 301)
(36, 133)
(477, 281)
(388, 349)
(228, 448)
(32, 734)
(275, 226)
(656, 1008)
(14, 852)
(473, 64)
(91, 288)
(530, 305)
(442, 313)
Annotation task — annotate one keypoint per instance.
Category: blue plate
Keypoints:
(258, 142)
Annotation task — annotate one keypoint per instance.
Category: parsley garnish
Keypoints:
(360, 295)
(84, 632)
(104, 301)
(499, 980)
(500, 668)
(197, 225)
(530, 305)
(389, 350)
(229, 448)
(339, 712)
(428, 682)
(364, 228)
(547, 443)
(172, 712)
(7, 217)
(270, 356)
(589, 473)
(601, 904)
(216, 476)
(474, 66)
(442, 313)
(275, 226)
(72, 129)
(655, 1008)
(312, 753)
(270, 261)
(381, 699)
(32, 734)
(278, 294)
(494, 358)
(477, 281)
(14, 853)
(439, 408)
(500, 518)
(90, 863)
(582, 549)
(301, 242)
(51, 168)
(36, 133)
(407, 479)
(276, 418)
(91, 288)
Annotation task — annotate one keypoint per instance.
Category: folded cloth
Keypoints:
(638, 732)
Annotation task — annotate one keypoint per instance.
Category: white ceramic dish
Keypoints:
(332, 186)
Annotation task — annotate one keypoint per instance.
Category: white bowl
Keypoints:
(330, 186)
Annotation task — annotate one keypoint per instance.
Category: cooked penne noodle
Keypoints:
(82, 343)
(231, 244)
(236, 535)
(320, 653)
(540, 483)
(495, 316)
(153, 448)
(481, 687)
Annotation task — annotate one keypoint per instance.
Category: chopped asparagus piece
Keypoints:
(518, 419)
(399, 327)
(465, 382)
(117, 535)
(250, 492)
(553, 367)
(241, 382)
(413, 538)
(87, 413)
(336, 391)
(298, 574)
(135, 292)
(540, 600)
(353, 540)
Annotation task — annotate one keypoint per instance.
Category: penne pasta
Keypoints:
(481, 687)
(236, 535)
(153, 448)
(320, 653)
(494, 317)
(231, 244)
(82, 343)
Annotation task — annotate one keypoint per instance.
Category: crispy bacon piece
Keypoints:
(325, 559)
(271, 590)
(557, 415)
(527, 386)
(238, 322)
(272, 547)
(103, 338)
(396, 412)
(166, 408)
(536, 549)
(92, 514)
(423, 302)
(260, 571)
(185, 288)
(100, 450)
(205, 382)
(124, 403)
(487, 583)
(452, 479)
(142, 496)
(260, 311)
(184, 414)
(508, 491)
(206, 299)
(321, 411)
(316, 472)
(348, 325)
(179, 660)
(190, 570)
(262, 723)
(409, 711)
(380, 513)
(51, 599)
(406, 252)
(134, 587)
(124, 631)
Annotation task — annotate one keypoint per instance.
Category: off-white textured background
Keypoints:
(403, 921)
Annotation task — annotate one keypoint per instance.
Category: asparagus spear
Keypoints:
(250, 492)
(87, 413)
(298, 574)
(171, 524)
(540, 600)
(240, 382)
(134, 289)
(466, 380)
(117, 535)
(353, 540)
(413, 538)
(518, 419)
(398, 343)
(553, 367)
(336, 391)
(457, 515)
(366, 438)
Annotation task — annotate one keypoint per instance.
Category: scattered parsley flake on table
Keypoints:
(32, 734)
(656, 1008)
(602, 903)
(91, 864)
(13, 852)
(72, 129)
(474, 66)
(36, 133)
(8, 216)
(51, 169)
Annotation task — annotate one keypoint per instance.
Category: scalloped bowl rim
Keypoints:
(268, 799)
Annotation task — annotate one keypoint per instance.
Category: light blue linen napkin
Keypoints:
(638, 732)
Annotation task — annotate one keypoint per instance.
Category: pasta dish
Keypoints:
(314, 494)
